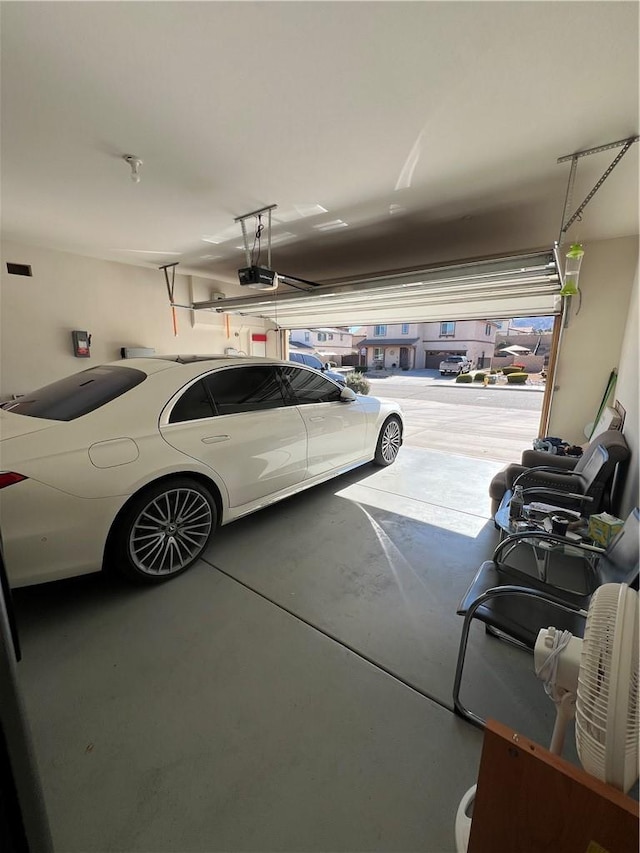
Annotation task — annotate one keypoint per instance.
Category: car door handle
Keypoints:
(215, 439)
(317, 418)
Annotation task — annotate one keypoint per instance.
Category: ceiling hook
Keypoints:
(135, 163)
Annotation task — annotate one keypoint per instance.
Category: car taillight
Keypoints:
(8, 478)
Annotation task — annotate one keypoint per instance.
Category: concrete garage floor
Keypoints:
(292, 691)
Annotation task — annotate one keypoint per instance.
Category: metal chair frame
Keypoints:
(605, 565)
(496, 592)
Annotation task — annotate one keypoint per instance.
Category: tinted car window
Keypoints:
(304, 358)
(77, 395)
(246, 389)
(195, 403)
(308, 387)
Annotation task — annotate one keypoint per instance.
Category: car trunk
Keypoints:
(13, 426)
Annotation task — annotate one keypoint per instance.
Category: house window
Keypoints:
(405, 329)
(447, 330)
(330, 337)
(379, 331)
(378, 354)
(341, 337)
(487, 329)
(307, 337)
(322, 336)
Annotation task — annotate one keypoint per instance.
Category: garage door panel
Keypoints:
(524, 284)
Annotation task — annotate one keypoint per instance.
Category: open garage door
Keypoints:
(518, 285)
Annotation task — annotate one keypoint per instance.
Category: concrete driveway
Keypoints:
(494, 422)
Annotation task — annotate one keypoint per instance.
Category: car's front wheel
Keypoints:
(389, 442)
(164, 530)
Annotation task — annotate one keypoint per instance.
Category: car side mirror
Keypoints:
(348, 395)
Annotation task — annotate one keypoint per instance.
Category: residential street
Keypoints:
(495, 422)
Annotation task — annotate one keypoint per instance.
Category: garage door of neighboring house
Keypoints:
(432, 358)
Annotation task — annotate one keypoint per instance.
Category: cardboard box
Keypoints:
(603, 527)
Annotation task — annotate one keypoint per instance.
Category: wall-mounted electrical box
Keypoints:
(81, 344)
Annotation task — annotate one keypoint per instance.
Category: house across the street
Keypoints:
(419, 345)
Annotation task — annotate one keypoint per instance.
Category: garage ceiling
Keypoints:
(431, 130)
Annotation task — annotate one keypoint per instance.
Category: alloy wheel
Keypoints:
(391, 441)
(170, 531)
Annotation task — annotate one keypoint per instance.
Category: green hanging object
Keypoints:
(572, 270)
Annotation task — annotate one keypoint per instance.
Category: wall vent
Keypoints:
(19, 269)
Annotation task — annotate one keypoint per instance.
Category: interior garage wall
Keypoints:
(601, 335)
(118, 304)
(627, 390)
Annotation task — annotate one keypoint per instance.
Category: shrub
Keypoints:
(479, 377)
(520, 367)
(361, 368)
(511, 369)
(517, 378)
(464, 377)
(494, 371)
(358, 383)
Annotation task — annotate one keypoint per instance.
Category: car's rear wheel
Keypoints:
(389, 442)
(164, 530)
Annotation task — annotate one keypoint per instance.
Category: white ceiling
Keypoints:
(431, 128)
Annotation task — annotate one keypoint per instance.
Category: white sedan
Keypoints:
(135, 463)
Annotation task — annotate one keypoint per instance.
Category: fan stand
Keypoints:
(565, 712)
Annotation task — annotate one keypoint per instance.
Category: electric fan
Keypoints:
(595, 679)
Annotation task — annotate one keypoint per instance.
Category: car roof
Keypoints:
(154, 364)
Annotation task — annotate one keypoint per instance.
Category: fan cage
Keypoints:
(595, 716)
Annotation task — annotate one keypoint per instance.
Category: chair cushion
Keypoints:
(533, 458)
(498, 486)
(613, 441)
(519, 616)
(503, 481)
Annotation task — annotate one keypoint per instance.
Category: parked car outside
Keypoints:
(455, 364)
(134, 464)
(313, 361)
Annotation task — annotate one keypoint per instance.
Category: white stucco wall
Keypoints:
(118, 304)
(627, 393)
(592, 344)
